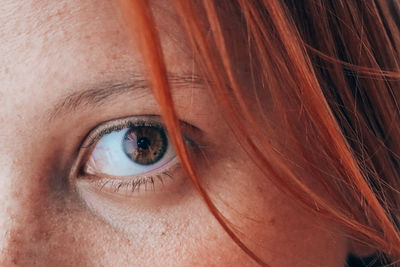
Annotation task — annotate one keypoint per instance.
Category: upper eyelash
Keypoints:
(98, 132)
(104, 129)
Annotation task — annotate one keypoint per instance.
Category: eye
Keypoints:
(140, 148)
(132, 153)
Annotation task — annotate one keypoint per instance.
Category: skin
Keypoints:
(49, 217)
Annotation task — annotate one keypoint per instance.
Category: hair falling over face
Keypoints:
(331, 66)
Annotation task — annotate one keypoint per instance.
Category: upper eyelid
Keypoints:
(115, 125)
(118, 124)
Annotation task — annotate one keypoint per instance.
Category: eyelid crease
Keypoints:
(110, 127)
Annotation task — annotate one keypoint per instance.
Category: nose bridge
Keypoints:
(24, 185)
(19, 218)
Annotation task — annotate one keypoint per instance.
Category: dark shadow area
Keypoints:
(373, 261)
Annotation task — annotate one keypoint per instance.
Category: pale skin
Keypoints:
(48, 217)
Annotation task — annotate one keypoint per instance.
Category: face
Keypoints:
(88, 175)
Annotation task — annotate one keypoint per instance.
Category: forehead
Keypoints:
(50, 47)
(39, 25)
(49, 42)
(34, 28)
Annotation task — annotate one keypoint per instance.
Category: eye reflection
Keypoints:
(145, 144)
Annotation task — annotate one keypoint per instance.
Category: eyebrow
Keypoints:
(99, 93)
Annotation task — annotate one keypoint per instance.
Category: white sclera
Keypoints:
(108, 157)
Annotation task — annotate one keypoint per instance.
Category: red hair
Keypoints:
(334, 63)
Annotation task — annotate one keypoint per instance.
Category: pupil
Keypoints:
(143, 143)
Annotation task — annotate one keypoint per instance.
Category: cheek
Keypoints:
(186, 235)
(273, 225)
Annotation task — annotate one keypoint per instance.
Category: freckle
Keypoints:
(272, 221)
(163, 234)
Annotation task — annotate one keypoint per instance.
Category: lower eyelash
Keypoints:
(135, 184)
(138, 183)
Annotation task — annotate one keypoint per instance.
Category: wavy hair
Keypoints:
(331, 65)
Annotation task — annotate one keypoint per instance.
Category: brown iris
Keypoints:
(145, 144)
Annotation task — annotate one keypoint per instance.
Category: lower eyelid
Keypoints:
(159, 181)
